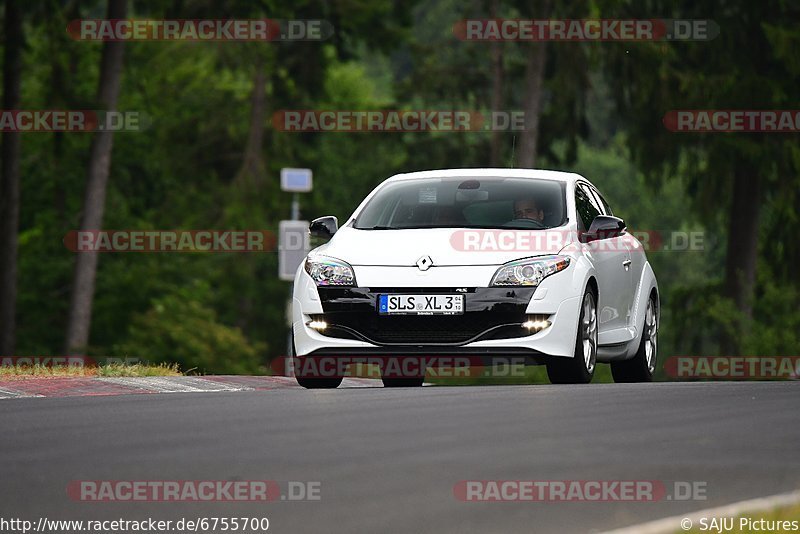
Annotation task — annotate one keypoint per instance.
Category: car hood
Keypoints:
(445, 246)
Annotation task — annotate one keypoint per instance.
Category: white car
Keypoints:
(479, 262)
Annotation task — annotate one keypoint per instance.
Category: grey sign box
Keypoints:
(296, 180)
(293, 247)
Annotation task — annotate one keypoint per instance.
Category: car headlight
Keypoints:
(530, 271)
(330, 272)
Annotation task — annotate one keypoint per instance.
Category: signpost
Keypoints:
(296, 180)
(293, 246)
(293, 234)
(293, 242)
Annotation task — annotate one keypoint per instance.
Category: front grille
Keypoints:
(422, 329)
(490, 313)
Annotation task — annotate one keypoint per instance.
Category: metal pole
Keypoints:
(289, 348)
(295, 207)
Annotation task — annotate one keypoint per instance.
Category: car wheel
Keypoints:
(311, 382)
(580, 368)
(642, 366)
(318, 383)
(404, 382)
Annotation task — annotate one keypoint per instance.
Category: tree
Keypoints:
(253, 165)
(729, 175)
(80, 309)
(497, 88)
(534, 81)
(9, 196)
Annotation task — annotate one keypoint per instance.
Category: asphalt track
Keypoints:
(388, 459)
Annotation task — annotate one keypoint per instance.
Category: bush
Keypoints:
(181, 328)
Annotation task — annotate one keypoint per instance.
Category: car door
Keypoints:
(634, 262)
(611, 260)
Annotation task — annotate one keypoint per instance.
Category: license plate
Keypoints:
(420, 304)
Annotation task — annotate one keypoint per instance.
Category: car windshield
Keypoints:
(497, 202)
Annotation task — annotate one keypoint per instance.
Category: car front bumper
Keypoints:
(490, 325)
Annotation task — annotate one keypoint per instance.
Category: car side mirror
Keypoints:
(604, 227)
(323, 227)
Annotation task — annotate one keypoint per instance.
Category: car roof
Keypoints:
(541, 174)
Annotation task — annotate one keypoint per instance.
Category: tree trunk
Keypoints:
(9, 191)
(59, 95)
(534, 79)
(249, 181)
(742, 254)
(253, 167)
(534, 74)
(497, 90)
(80, 306)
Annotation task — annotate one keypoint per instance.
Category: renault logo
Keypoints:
(424, 263)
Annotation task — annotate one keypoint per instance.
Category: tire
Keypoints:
(580, 368)
(404, 382)
(642, 366)
(310, 382)
(318, 383)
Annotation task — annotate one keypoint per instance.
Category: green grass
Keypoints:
(138, 369)
(112, 369)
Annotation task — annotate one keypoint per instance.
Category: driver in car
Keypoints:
(528, 209)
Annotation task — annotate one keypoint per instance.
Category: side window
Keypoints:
(592, 194)
(603, 203)
(586, 206)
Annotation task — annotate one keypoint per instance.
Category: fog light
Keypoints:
(536, 326)
(319, 326)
